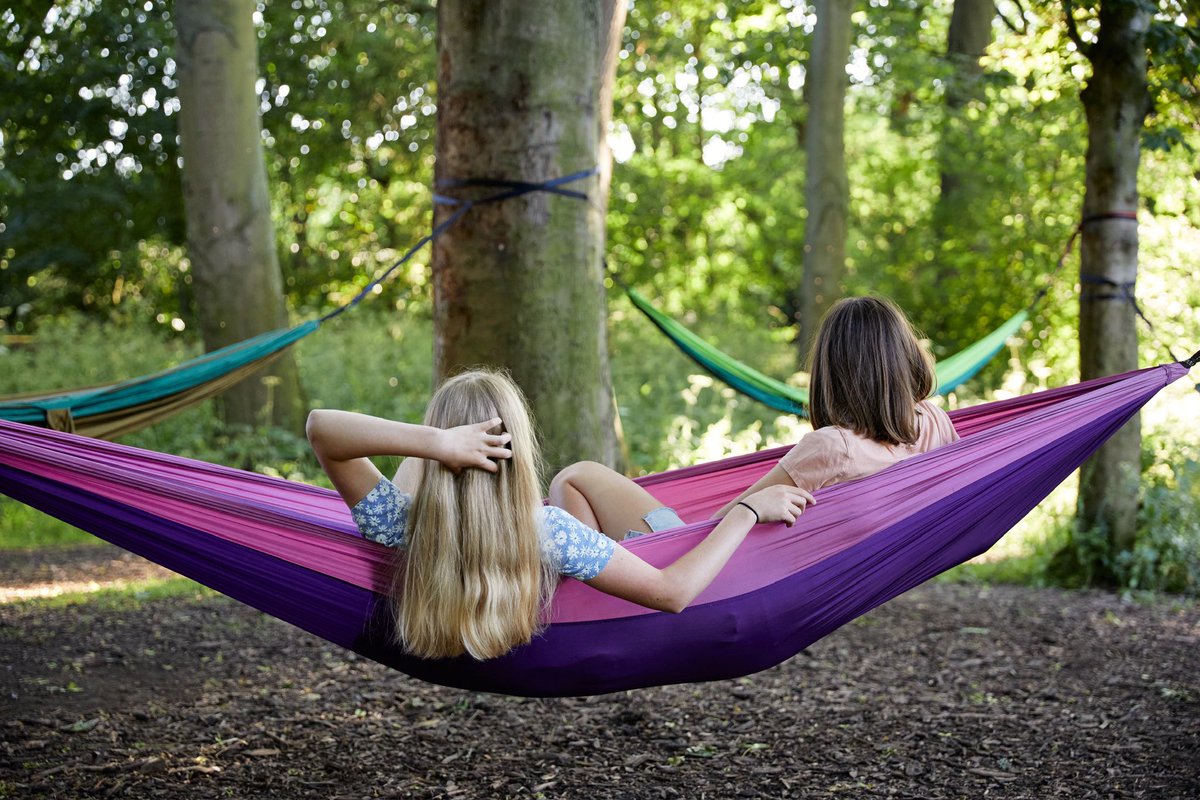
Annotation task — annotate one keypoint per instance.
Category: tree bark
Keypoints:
(231, 241)
(1116, 101)
(518, 284)
(826, 186)
(968, 39)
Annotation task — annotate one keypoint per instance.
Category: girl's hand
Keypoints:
(779, 503)
(472, 446)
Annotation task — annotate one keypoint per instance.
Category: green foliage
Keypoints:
(707, 207)
(1166, 553)
(348, 99)
(71, 350)
(1165, 556)
(1174, 44)
(674, 415)
(22, 527)
(91, 212)
(88, 153)
(370, 362)
(1029, 567)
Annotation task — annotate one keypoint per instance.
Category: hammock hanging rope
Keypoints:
(115, 409)
(291, 550)
(952, 372)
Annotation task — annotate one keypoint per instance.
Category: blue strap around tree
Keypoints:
(511, 189)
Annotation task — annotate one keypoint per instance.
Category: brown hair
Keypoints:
(868, 371)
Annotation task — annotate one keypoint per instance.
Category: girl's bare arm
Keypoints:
(345, 441)
(673, 587)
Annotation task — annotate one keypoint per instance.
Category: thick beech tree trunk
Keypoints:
(518, 284)
(826, 187)
(231, 241)
(1116, 101)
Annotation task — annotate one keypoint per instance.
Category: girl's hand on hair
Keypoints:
(473, 446)
(779, 503)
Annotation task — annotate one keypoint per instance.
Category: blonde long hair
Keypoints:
(472, 578)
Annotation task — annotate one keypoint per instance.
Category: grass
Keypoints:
(124, 596)
(22, 527)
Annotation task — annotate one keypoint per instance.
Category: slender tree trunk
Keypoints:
(826, 187)
(969, 36)
(231, 241)
(518, 284)
(1116, 101)
(960, 228)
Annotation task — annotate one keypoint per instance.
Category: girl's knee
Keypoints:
(574, 473)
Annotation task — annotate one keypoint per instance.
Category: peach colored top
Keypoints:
(832, 455)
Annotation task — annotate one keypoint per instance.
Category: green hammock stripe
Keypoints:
(154, 387)
(952, 372)
(743, 378)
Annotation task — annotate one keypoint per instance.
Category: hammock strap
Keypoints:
(1123, 290)
(511, 189)
(1066, 253)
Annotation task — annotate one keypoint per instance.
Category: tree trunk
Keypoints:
(231, 241)
(968, 39)
(966, 42)
(1116, 101)
(518, 284)
(826, 187)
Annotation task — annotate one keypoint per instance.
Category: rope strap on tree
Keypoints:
(511, 189)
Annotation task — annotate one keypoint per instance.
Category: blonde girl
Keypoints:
(481, 551)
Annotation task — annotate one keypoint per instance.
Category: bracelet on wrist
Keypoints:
(752, 511)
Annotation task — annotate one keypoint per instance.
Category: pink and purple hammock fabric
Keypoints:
(291, 550)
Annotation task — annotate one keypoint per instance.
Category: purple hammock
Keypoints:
(292, 551)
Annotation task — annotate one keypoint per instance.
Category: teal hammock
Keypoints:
(111, 410)
(952, 372)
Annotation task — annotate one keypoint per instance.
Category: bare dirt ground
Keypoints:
(951, 691)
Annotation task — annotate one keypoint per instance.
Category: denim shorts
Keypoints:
(660, 519)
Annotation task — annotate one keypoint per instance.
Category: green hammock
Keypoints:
(952, 372)
(114, 409)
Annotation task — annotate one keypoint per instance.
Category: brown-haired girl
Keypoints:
(868, 386)
(867, 393)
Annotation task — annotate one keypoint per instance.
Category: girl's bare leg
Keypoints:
(602, 499)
